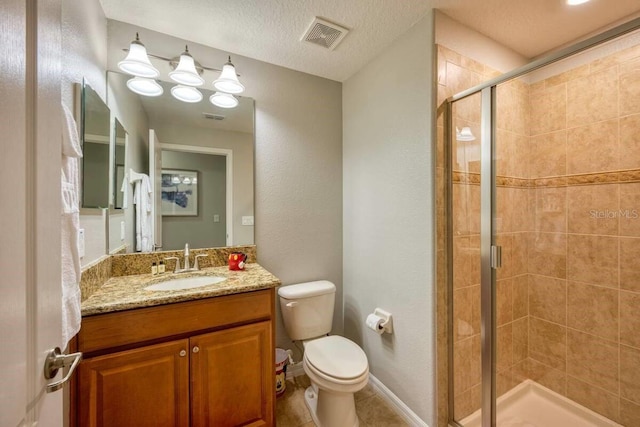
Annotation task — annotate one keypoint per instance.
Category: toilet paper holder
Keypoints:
(387, 324)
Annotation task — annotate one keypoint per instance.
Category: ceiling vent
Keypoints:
(212, 116)
(324, 33)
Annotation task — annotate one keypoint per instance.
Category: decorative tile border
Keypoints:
(612, 177)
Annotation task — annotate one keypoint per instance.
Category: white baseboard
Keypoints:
(400, 407)
(381, 390)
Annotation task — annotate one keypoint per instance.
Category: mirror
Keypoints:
(214, 143)
(119, 151)
(96, 121)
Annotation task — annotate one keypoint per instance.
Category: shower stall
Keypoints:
(540, 190)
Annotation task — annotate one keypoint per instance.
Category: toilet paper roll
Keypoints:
(375, 323)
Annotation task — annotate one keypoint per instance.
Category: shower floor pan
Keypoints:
(531, 405)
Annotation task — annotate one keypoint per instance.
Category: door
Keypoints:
(148, 386)
(232, 377)
(30, 311)
(465, 328)
(155, 174)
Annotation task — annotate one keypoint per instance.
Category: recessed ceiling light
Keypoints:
(576, 2)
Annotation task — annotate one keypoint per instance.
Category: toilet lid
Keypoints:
(336, 356)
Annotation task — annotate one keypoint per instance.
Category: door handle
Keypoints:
(56, 360)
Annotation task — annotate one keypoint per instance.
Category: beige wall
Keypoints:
(389, 212)
(474, 45)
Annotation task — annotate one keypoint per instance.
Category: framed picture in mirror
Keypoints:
(179, 192)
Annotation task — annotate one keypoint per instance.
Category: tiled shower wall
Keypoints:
(584, 273)
(568, 199)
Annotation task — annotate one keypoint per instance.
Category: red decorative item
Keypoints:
(237, 260)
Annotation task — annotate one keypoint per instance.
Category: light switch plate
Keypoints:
(247, 220)
(121, 230)
(216, 218)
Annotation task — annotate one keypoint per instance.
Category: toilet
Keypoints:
(336, 366)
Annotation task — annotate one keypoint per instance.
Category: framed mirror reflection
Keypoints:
(96, 137)
(215, 143)
(118, 168)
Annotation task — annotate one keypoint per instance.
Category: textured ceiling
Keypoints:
(270, 30)
(534, 27)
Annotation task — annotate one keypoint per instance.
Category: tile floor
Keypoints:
(291, 411)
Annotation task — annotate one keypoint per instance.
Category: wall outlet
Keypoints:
(122, 230)
(247, 220)
(81, 242)
(216, 218)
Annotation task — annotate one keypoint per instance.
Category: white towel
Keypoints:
(70, 221)
(142, 200)
(124, 189)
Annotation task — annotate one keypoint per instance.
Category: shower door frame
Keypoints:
(490, 253)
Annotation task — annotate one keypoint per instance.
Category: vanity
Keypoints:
(200, 356)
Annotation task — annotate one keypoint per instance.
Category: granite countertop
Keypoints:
(127, 292)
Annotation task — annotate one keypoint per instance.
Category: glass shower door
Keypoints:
(464, 329)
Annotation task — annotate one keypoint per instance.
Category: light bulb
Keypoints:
(223, 100)
(186, 73)
(186, 93)
(137, 62)
(228, 81)
(145, 87)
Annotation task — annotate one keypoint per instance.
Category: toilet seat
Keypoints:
(336, 359)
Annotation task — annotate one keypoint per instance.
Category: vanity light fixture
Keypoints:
(186, 180)
(186, 93)
(576, 2)
(228, 81)
(175, 180)
(223, 100)
(186, 72)
(137, 62)
(146, 87)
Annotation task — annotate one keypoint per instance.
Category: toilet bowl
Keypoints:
(336, 366)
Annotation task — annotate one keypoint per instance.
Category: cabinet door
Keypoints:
(232, 377)
(148, 386)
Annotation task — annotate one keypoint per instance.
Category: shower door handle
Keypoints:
(496, 256)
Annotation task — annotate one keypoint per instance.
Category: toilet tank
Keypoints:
(307, 309)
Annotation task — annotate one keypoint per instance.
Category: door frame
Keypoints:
(228, 154)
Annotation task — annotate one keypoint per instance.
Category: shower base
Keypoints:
(531, 405)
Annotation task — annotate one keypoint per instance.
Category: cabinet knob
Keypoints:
(196, 349)
(183, 353)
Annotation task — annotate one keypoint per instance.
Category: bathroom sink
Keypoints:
(185, 283)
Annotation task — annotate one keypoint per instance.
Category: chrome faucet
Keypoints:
(186, 256)
(187, 267)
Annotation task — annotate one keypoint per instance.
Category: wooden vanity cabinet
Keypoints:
(208, 363)
(148, 386)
